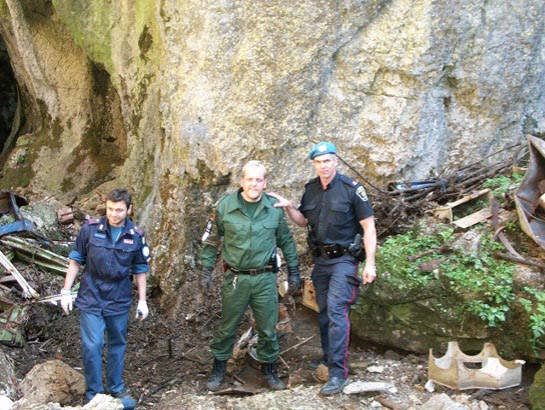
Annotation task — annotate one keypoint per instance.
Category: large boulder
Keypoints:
(52, 381)
(424, 297)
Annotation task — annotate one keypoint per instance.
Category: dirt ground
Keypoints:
(168, 361)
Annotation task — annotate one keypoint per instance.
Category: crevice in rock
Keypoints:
(10, 117)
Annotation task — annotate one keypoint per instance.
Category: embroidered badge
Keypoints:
(128, 240)
(360, 192)
(99, 235)
(145, 252)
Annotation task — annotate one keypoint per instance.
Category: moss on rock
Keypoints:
(537, 390)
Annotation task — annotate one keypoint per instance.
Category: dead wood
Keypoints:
(397, 210)
(521, 260)
(495, 207)
(297, 345)
(441, 249)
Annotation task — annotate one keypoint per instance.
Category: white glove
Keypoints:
(142, 311)
(66, 300)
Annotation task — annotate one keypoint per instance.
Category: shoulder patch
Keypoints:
(139, 230)
(146, 252)
(93, 221)
(362, 194)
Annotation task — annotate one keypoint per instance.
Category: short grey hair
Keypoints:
(254, 164)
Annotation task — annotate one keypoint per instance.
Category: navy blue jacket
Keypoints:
(106, 287)
(333, 214)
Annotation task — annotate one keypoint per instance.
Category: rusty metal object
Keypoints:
(528, 194)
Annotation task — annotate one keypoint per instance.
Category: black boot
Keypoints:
(218, 373)
(269, 373)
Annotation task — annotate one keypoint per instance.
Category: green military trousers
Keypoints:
(260, 293)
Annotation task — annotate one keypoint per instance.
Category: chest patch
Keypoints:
(100, 235)
(128, 241)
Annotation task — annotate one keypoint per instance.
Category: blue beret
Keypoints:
(322, 148)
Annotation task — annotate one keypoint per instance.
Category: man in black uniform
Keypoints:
(335, 209)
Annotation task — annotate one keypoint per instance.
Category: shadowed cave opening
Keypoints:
(8, 91)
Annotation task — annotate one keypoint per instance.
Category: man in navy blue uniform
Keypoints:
(112, 249)
(335, 209)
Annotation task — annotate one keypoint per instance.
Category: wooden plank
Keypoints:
(473, 219)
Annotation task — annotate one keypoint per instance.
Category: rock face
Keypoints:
(171, 98)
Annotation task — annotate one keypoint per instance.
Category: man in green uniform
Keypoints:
(251, 229)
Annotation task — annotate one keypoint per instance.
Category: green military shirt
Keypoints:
(248, 240)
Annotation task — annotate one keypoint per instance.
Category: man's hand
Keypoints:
(369, 274)
(66, 300)
(142, 310)
(282, 202)
(294, 280)
(206, 278)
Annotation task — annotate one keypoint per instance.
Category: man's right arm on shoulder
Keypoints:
(294, 214)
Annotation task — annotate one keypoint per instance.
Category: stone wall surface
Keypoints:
(171, 97)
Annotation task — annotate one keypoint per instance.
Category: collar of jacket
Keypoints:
(128, 227)
(236, 202)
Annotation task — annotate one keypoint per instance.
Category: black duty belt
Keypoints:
(329, 251)
(267, 268)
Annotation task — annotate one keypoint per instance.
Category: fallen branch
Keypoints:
(495, 206)
(284, 362)
(441, 249)
(169, 382)
(523, 261)
(297, 345)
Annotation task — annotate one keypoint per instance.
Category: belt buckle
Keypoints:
(333, 251)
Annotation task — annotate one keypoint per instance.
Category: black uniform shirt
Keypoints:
(334, 213)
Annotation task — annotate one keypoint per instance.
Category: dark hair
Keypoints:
(117, 195)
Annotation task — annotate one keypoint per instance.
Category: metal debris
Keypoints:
(486, 370)
(528, 194)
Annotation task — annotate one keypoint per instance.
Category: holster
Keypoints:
(359, 254)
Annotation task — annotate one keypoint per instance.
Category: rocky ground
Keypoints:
(168, 360)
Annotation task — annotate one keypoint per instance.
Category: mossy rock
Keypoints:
(537, 390)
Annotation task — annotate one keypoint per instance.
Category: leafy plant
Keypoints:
(536, 307)
(503, 184)
(482, 283)
(479, 283)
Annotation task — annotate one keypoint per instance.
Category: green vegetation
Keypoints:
(534, 304)
(467, 273)
(502, 184)
(481, 282)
